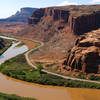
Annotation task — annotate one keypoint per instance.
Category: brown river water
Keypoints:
(41, 92)
(21, 88)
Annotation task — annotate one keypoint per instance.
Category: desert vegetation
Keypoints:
(13, 97)
(18, 68)
(20, 44)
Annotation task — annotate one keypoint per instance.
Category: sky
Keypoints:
(10, 7)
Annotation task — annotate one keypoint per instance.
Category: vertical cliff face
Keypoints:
(58, 27)
(36, 17)
(49, 22)
(54, 14)
(86, 23)
(77, 24)
(85, 55)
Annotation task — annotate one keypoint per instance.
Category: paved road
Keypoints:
(62, 76)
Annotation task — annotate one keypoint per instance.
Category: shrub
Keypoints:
(13, 97)
(94, 78)
(39, 67)
(18, 68)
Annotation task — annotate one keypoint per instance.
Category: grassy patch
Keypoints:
(19, 45)
(13, 97)
(81, 76)
(97, 78)
(18, 68)
(37, 45)
(35, 50)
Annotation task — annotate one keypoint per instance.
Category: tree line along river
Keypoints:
(40, 92)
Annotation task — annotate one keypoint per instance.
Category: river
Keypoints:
(41, 92)
(13, 86)
(13, 50)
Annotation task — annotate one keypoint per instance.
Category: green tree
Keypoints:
(39, 68)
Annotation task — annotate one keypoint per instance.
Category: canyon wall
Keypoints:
(58, 28)
(86, 23)
(77, 24)
(55, 14)
(85, 55)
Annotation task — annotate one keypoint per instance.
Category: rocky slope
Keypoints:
(58, 28)
(45, 23)
(85, 55)
(76, 19)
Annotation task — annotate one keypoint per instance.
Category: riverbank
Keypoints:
(27, 89)
(18, 68)
(13, 97)
(8, 85)
(12, 87)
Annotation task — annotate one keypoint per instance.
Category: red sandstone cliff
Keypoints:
(58, 27)
(85, 55)
(54, 14)
(77, 24)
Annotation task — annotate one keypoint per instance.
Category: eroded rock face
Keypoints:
(78, 24)
(85, 55)
(38, 14)
(54, 14)
(86, 23)
(58, 27)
